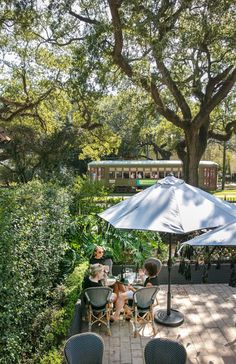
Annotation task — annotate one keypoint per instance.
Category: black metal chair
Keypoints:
(98, 302)
(86, 348)
(164, 351)
(108, 262)
(143, 303)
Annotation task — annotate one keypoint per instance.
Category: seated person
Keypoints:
(99, 257)
(96, 277)
(151, 270)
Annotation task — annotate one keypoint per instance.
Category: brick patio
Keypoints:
(208, 332)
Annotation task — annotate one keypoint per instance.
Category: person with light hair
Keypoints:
(97, 278)
(99, 257)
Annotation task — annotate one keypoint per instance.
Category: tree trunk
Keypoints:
(224, 167)
(196, 143)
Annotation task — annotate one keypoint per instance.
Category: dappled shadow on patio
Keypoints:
(208, 332)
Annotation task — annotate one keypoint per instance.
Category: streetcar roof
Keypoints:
(142, 163)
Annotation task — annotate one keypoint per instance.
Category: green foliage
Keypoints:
(87, 195)
(53, 357)
(179, 52)
(89, 230)
(64, 298)
(131, 247)
(84, 187)
(33, 222)
(130, 113)
(52, 125)
(38, 245)
(134, 247)
(45, 155)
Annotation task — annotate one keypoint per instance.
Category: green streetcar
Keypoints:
(132, 175)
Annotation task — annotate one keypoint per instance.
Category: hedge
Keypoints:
(33, 222)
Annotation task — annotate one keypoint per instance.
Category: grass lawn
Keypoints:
(225, 193)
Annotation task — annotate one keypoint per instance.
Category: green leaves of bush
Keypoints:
(33, 221)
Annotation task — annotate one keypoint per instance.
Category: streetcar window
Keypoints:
(118, 174)
(111, 174)
(126, 173)
(93, 174)
(147, 173)
(175, 172)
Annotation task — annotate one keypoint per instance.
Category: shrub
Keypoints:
(62, 311)
(33, 222)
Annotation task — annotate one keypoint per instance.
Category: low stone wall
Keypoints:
(221, 275)
(76, 324)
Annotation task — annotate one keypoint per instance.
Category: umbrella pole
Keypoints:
(169, 317)
(122, 273)
(169, 277)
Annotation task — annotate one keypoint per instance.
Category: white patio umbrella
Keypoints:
(222, 236)
(174, 207)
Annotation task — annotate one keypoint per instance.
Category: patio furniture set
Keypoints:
(99, 307)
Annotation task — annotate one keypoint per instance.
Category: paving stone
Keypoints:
(208, 332)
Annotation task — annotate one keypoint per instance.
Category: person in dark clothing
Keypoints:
(151, 270)
(88, 283)
(98, 256)
(151, 281)
(96, 277)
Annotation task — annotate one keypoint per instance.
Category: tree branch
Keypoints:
(56, 42)
(181, 102)
(230, 129)
(8, 114)
(118, 35)
(222, 92)
(83, 18)
(161, 108)
(122, 63)
(214, 81)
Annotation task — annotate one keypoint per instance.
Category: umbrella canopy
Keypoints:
(172, 206)
(222, 236)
